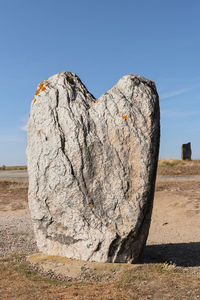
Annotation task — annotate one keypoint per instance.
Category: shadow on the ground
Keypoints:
(183, 254)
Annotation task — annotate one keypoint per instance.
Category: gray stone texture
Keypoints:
(186, 151)
(92, 167)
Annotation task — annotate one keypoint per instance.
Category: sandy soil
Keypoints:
(174, 234)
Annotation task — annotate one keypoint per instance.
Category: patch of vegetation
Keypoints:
(178, 167)
(16, 263)
(147, 281)
(12, 168)
(12, 184)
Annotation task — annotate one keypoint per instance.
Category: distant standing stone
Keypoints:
(92, 167)
(186, 151)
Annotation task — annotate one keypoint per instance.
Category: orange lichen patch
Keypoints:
(37, 92)
(122, 186)
(90, 205)
(99, 219)
(42, 87)
(125, 118)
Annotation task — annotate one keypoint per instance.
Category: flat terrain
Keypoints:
(169, 268)
(13, 174)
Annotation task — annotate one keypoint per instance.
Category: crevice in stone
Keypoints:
(113, 248)
(98, 247)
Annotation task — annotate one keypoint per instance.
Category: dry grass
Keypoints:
(178, 167)
(13, 195)
(153, 281)
(12, 168)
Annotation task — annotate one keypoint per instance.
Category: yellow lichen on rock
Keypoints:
(42, 87)
(125, 118)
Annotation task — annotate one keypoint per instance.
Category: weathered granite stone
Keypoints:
(92, 167)
(186, 151)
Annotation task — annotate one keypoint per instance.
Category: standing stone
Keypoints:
(186, 151)
(92, 167)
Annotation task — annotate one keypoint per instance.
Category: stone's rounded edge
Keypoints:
(130, 81)
(139, 77)
(133, 87)
(60, 74)
(69, 76)
(125, 77)
(63, 79)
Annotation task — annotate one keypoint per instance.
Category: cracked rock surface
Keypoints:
(92, 167)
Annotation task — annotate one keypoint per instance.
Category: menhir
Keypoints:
(92, 167)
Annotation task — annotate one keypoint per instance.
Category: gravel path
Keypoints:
(177, 178)
(16, 235)
(14, 174)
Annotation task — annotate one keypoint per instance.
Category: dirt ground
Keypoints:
(169, 268)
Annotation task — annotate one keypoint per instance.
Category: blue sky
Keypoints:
(101, 41)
